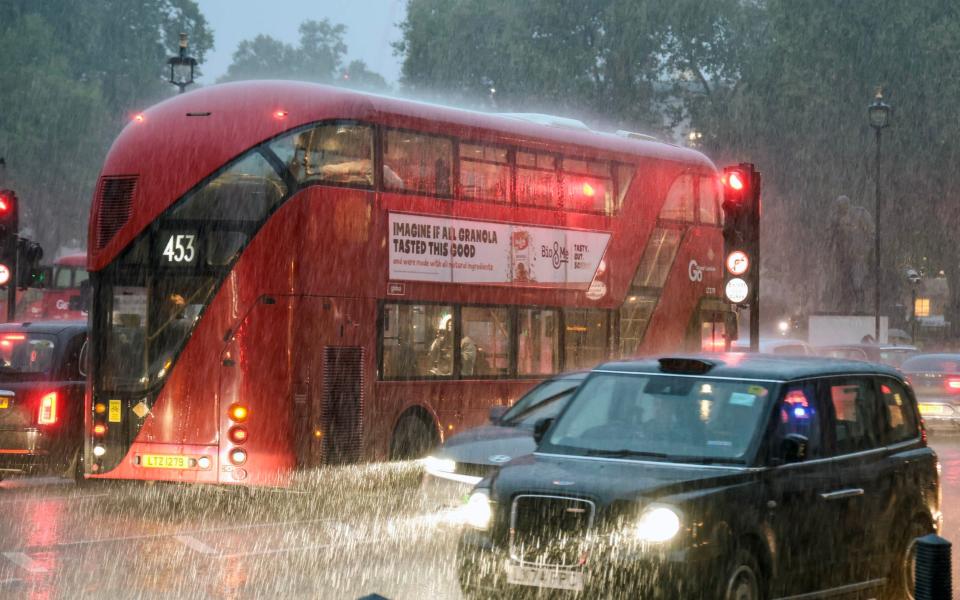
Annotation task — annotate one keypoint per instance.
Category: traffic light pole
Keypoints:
(12, 293)
(755, 272)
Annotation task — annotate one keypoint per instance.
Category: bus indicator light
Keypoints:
(239, 413)
(280, 114)
(99, 429)
(238, 435)
(138, 118)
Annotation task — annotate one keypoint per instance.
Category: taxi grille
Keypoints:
(549, 530)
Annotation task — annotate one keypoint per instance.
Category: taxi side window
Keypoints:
(855, 422)
(900, 418)
(71, 370)
(799, 413)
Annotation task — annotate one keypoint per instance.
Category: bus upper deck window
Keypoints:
(421, 163)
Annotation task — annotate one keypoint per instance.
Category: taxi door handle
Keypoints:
(839, 494)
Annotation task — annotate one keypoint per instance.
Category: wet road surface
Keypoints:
(348, 534)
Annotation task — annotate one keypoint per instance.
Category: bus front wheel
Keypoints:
(413, 437)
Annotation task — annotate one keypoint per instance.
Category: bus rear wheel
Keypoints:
(413, 437)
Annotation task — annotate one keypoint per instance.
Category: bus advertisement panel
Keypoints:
(287, 275)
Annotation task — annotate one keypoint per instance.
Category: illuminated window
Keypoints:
(335, 153)
(485, 342)
(417, 341)
(709, 205)
(634, 317)
(538, 181)
(539, 341)
(485, 173)
(585, 337)
(417, 163)
(678, 205)
(921, 307)
(587, 186)
(657, 259)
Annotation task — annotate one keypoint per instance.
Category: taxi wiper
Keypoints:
(623, 453)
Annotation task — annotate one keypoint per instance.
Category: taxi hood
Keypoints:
(609, 480)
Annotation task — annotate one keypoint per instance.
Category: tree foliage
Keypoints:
(780, 83)
(73, 72)
(318, 57)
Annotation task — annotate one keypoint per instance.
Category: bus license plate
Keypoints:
(931, 409)
(546, 577)
(164, 461)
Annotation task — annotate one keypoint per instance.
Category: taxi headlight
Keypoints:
(440, 465)
(477, 513)
(658, 524)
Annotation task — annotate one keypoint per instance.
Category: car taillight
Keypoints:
(953, 385)
(48, 409)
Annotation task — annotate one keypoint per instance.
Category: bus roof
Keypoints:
(78, 259)
(175, 144)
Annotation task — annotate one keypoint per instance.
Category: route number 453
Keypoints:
(180, 248)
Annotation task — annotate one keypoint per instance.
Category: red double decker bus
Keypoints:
(287, 275)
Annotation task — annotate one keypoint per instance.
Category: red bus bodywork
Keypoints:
(69, 271)
(315, 279)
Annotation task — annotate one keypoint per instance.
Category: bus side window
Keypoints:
(422, 163)
(417, 341)
(678, 205)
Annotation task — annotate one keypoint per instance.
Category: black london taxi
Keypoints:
(722, 476)
(41, 397)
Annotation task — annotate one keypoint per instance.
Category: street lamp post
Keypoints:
(879, 114)
(181, 66)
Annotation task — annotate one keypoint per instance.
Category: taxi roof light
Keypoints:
(687, 366)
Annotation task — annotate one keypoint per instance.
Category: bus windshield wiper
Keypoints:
(623, 453)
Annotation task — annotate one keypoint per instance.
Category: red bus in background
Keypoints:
(68, 276)
(62, 288)
(287, 274)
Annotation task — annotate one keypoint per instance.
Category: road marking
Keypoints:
(22, 560)
(195, 544)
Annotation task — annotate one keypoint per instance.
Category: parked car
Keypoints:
(41, 397)
(464, 459)
(730, 476)
(936, 382)
(883, 353)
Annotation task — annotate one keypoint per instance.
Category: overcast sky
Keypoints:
(371, 27)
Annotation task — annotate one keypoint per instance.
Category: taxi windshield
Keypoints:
(26, 355)
(662, 417)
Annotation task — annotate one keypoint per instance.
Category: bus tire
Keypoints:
(414, 436)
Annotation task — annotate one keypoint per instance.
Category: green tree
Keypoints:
(74, 72)
(318, 58)
(357, 75)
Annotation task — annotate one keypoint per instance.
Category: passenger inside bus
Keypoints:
(441, 351)
(340, 154)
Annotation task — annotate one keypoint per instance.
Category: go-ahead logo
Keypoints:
(695, 271)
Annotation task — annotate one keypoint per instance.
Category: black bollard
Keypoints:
(932, 574)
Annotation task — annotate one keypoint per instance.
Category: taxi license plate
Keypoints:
(4, 402)
(932, 409)
(165, 461)
(561, 579)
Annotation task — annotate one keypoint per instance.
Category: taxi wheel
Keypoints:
(900, 582)
(744, 580)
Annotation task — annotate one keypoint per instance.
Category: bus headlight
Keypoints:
(477, 511)
(439, 465)
(657, 524)
(99, 451)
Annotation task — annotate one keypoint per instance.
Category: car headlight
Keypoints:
(658, 524)
(477, 512)
(439, 465)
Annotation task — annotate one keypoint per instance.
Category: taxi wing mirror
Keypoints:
(540, 428)
(497, 412)
(793, 448)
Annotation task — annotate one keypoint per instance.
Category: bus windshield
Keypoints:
(661, 417)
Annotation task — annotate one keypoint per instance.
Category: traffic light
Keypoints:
(741, 232)
(29, 272)
(8, 236)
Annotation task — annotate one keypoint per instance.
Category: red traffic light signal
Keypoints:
(7, 200)
(734, 180)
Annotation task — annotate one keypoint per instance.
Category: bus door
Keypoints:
(328, 398)
(710, 327)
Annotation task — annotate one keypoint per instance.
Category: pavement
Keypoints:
(342, 533)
